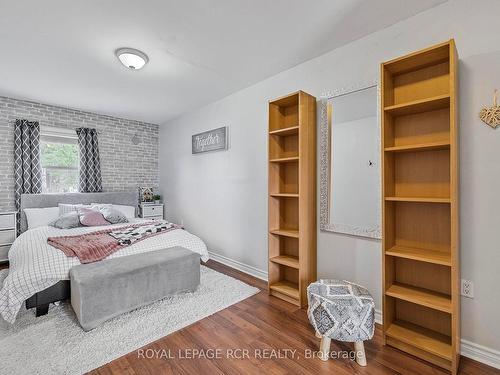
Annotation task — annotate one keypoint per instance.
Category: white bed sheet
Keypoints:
(36, 265)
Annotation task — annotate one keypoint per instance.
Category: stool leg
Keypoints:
(359, 348)
(324, 348)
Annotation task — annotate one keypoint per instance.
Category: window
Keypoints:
(59, 159)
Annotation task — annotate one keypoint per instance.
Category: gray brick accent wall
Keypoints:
(124, 166)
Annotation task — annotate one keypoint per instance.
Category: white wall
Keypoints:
(223, 196)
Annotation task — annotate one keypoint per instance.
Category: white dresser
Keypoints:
(151, 211)
(8, 232)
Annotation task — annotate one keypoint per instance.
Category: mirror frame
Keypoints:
(325, 166)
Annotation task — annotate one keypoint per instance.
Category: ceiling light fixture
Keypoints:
(132, 58)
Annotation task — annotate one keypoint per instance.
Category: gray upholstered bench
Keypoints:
(103, 290)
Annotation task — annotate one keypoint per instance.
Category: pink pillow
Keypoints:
(91, 218)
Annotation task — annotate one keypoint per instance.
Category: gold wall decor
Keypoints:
(491, 115)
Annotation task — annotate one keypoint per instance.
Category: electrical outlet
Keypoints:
(467, 289)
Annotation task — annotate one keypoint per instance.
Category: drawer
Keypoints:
(7, 221)
(155, 217)
(152, 211)
(4, 253)
(7, 236)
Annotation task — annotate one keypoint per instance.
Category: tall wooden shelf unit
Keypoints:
(292, 196)
(420, 205)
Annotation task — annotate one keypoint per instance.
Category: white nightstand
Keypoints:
(151, 211)
(8, 233)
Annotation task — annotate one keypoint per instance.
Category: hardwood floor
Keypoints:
(261, 324)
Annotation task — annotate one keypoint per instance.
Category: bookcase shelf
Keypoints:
(289, 159)
(284, 195)
(292, 185)
(421, 338)
(420, 296)
(287, 288)
(420, 205)
(292, 130)
(423, 255)
(418, 174)
(286, 260)
(286, 232)
(418, 199)
(421, 105)
(442, 145)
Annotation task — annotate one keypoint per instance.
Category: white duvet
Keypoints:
(36, 265)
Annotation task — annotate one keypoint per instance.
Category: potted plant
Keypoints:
(157, 198)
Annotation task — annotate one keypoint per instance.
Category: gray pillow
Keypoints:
(67, 221)
(112, 215)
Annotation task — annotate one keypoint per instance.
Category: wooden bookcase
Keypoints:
(420, 205)
(292, 196)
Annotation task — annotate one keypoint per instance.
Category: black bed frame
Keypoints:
(41, 300)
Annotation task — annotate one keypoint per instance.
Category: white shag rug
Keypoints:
(56, 344)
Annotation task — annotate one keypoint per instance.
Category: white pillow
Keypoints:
(98, 206)
(128, 211)
(67, 208)
(39, 217)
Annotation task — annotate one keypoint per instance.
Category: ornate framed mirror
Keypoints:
(350, 179)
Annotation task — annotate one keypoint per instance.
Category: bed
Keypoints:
(39, 273)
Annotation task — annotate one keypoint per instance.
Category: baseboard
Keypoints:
(480, 353)
(252, 271)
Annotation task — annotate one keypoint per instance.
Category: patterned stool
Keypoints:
(342, 311)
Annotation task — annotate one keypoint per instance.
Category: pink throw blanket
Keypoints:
(95, 246)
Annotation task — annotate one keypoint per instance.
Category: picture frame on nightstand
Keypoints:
(145, 195)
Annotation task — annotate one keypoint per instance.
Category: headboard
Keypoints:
(127, 198)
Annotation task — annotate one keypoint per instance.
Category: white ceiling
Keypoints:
(62, 52)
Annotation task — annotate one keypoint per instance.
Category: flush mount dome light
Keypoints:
(132, 58)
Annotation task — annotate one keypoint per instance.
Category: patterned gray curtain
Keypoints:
(90, 167)
(27, 167)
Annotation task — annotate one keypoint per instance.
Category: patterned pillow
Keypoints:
(91, 218)
(112, 215)
(67, 221)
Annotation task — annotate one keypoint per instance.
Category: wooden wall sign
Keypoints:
(211, 140)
